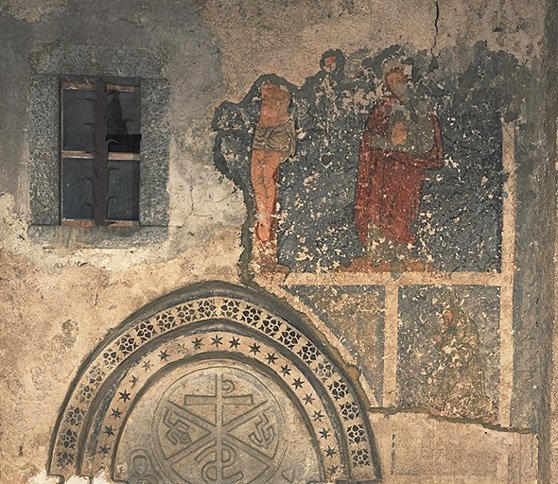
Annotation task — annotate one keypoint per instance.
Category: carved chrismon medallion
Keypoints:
(221, 424)
(217, 420)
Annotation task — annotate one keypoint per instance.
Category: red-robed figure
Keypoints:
(399, 143)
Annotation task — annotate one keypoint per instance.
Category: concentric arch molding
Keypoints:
(213, 383)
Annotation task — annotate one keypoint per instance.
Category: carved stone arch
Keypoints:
(214, 383)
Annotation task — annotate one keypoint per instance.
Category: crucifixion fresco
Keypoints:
(385, 163)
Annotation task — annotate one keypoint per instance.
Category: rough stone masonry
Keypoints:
(342, 268)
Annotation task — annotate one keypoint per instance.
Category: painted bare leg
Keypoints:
(269, 191)
(273, 143)
(260, 190)
(264, 165)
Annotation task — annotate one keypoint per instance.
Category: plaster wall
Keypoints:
(60, 297)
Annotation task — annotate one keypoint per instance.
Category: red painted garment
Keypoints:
(389, 181)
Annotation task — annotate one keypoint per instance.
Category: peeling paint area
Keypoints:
(355, 314)
(445, 216)
(448, 360)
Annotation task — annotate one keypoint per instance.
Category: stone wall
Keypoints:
(427, 345)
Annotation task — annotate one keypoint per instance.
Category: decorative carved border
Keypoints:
(205, 325)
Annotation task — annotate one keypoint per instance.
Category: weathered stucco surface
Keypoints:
(61, 295)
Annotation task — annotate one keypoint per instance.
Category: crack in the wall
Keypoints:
(395, 410)
(436, 26)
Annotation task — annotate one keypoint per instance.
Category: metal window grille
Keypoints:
(100, 152)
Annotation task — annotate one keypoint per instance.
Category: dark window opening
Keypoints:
(101, 135)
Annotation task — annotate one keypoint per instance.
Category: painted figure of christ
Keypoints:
(400, 141)
(273, 143)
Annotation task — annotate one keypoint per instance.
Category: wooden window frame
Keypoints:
(101, 156)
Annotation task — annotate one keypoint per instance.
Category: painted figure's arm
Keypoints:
(376, 125)
(433, 159)
(378, 122)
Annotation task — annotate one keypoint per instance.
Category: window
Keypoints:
(138, 219)
(99, 159)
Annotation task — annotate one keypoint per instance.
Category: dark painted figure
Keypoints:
(399, 143)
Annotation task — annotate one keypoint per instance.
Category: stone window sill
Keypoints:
(96, 237)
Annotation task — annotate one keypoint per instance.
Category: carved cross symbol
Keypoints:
(218, 447)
